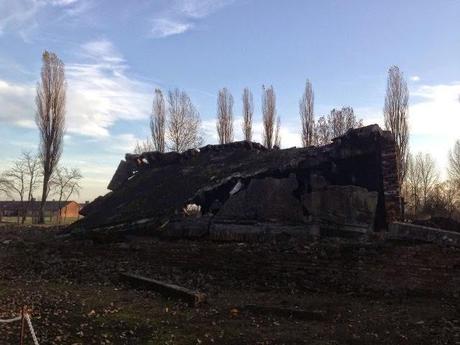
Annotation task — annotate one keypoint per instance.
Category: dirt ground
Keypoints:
(366, 294)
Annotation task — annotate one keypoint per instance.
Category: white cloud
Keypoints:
(435, 120)
(21, 15)
(102, 50)
(99, 94)
(163, 27)
(415, 78)
(17, 103)
(15, 14)
(61, 2)
(182, 15)
(200, 8)
(438, 111)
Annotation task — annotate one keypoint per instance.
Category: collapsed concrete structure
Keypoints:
(243, 191)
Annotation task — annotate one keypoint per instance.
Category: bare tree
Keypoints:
(306, 110)
(443, 200)
(224, 123)
(21, 180)
(183, 122)
(277, 141)
(396, 112)
(454, 164)
(322, 132)
(158, 122)
(340, 121)
(4, 187)
(4, 191)
(144, 146)
(412, 188)
(50, 118)
(32, 166)
(248, 111)
(429, 177)
(269, 116)
(16, 182)
(337, 123)
(65, 182)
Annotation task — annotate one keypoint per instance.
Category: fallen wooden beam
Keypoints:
(301, 314)
(194, 298)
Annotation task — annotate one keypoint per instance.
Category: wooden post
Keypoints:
(23, 324)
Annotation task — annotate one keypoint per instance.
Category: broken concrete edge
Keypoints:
(412, 232)
(220, 232)
(137, 162)
(193, 298)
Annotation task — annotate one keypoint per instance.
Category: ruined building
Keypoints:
(242, 190)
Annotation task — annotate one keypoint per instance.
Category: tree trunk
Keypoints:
(41, 215)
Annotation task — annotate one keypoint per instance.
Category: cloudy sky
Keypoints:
(117, 52)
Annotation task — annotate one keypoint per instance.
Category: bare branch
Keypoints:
(144, 146)
(340, 121)
(66, 182)
(337, 123)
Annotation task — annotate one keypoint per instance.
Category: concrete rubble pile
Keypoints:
(242, 191)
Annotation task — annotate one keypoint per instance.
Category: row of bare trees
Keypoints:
(396, 106)
(424, 191)
(271, 122)
(322, 131)
(312, 132)
(175, 122)
(176, 127)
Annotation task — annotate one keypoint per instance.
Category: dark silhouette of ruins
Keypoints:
(241, 190)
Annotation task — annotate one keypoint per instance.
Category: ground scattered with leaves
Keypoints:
(390, 293)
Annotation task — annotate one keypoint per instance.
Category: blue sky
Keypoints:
(116, 52)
